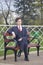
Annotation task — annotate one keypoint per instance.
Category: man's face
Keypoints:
(19, 22)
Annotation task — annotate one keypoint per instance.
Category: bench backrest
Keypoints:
(8, 40)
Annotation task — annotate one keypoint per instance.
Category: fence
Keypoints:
(31, 28)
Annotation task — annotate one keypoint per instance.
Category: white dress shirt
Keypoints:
(20, 28)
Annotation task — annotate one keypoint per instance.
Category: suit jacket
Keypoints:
(19, 34)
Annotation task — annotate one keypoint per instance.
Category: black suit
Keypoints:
(21, 34)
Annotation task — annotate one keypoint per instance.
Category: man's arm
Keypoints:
(12, 31)
(14, 35)
(20, 39)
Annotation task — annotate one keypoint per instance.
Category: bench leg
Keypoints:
(28, 50)
(5, 54)
(37, 51)
(15, 52)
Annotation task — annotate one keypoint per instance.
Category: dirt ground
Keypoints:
(33, 60)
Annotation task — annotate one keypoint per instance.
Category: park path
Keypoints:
(33, 60)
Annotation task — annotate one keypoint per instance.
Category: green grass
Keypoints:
(8, 52)
(34, 49)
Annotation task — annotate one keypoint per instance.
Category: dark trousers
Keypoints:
(25, 51)
(23, 47)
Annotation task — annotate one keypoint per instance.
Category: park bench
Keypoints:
(15, 49)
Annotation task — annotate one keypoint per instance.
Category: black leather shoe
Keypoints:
(26, 59)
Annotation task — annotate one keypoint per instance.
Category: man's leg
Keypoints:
(20, 51)
(26, 52)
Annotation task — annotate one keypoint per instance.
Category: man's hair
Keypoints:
(17, 19)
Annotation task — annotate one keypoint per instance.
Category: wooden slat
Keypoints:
(7, 34)
(8, 40)
(12, 47)
(33, 45)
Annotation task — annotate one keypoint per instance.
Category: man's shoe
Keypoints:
(26, 59)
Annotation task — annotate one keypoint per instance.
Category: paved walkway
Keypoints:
(33, 60)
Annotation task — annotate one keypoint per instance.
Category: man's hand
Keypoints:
(13, 34)
(20, 39)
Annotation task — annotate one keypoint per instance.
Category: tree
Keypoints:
(1, 19)
(26, 9)
(6, 12)
(42, 11)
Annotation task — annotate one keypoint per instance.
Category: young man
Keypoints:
(20, 34)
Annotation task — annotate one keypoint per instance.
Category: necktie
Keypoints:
(20, 28)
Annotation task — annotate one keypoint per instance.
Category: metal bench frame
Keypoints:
(15, 49)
